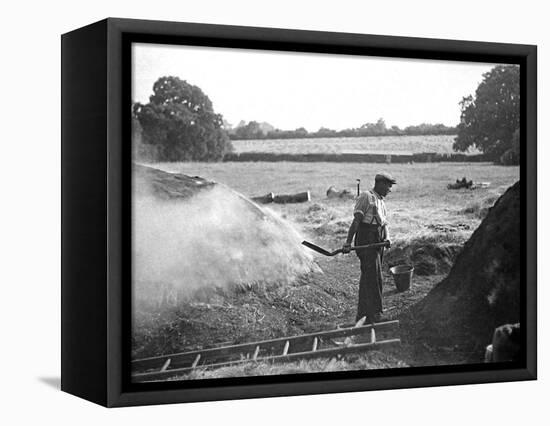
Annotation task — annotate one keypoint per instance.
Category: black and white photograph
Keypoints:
(303, 213)
(275, 213)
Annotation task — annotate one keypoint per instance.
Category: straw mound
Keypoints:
(428, 258)
(482, 290)
(168, 186)
(190, 234)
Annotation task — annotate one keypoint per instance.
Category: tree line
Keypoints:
(254, 130)
(179, 123)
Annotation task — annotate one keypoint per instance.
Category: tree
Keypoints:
(512, 156)
(374, 129)
(252, 130)
(325, 132)
(489, 120)
(180, 123)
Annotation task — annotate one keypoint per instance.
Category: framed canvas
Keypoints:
(254, 212)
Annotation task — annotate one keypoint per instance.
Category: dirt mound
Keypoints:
(482, 290)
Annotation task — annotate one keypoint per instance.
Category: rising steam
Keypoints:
(214, 239)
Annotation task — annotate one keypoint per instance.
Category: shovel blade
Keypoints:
(316, 248)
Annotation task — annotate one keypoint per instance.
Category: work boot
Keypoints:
(374, 318)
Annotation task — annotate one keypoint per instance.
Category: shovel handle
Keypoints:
(368, 246)
(373, 245)
(335, 252)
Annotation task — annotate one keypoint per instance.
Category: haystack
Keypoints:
(168, 186)
(191, 234)
(482, 290)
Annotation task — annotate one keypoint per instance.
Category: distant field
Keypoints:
(358, 145)
(419, 199)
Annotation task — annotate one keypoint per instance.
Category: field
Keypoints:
(419, 199)
(428, 223)
(441, 144)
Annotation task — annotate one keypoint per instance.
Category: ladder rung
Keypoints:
(256, 352)
(166, 364)
(196, 361)
(315, 342)
(285, 349)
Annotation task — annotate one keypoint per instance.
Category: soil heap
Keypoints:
(482, 290)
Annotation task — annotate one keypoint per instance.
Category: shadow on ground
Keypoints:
(54, 382)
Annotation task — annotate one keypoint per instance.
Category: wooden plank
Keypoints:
(264, 199)
(292, 198)
(283, 198)
(153, 376)
(183, 358)
(376, 325)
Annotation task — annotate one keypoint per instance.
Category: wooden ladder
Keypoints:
(306, 346)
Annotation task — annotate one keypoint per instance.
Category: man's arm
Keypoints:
(357, 218)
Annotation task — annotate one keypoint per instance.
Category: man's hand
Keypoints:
(346, 248)
(389, 243)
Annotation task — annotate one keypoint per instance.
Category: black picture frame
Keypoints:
(96, 196)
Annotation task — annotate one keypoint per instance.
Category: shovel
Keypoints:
(335, 252)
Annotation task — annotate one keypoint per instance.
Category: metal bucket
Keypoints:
(402, 276)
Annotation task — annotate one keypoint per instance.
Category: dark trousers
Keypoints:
(370, 283)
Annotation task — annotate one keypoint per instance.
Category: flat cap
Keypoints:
(386, 177)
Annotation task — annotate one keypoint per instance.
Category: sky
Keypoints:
(291, 90)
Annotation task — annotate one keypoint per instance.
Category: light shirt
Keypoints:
(373, 208)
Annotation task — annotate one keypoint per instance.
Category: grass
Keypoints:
(370, 361)
(419, 199)
(479, 208)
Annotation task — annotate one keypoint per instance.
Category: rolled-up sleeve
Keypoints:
(361, 205)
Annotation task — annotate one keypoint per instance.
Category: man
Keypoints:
(370, 226)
